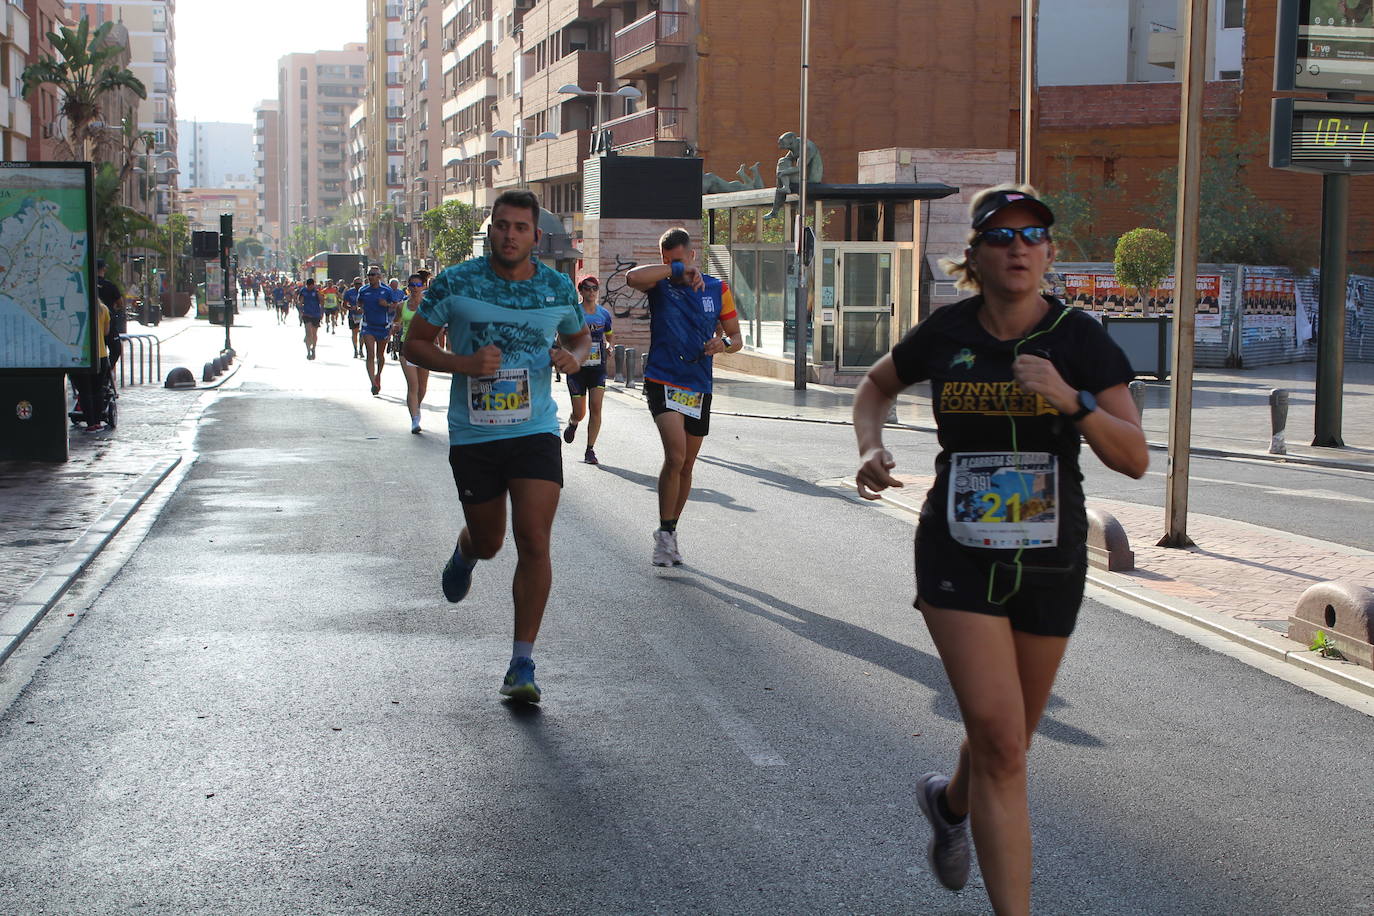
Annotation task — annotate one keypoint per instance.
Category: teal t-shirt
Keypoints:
(523, 320)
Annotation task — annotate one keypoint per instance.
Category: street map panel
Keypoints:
(45, 302)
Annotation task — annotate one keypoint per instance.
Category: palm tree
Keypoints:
(84, 71)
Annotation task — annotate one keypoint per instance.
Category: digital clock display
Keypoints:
(1333, 135)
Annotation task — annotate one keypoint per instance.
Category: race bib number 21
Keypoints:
(1003, 501)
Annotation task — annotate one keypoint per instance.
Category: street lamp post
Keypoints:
(624, 92)
(521, 136)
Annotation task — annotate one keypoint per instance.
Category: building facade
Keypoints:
(384, 95)
(422, 76)
(316, 93)
(215, 154)
(151, 26)
(204, 206)
(267, 168)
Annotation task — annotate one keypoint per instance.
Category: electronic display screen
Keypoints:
(1333, 135)
(1335, 45)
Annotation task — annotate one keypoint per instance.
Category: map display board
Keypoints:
(47, 268)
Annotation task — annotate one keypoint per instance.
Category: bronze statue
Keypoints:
(789, 169)
(749, 180)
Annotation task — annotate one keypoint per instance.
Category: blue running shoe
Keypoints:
(519, 682)
(457, 577)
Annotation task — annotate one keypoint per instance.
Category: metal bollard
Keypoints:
(1137, 389)
(1278, 420)
(618, 355)
(631, 363)
(208, 373)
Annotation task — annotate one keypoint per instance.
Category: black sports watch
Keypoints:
(728, 342)
(1086, 405)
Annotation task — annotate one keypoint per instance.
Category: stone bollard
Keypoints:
(209, 372)
(892, 414)
(1344, 611)
(180, 377)
(1108, 546)
(631, 363)
(1137, 389)
(1278, 420)
(618, 354)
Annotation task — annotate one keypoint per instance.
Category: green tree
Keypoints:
(84, 72)
(170, 241)
(116, 226)
(1143, 258)
(452, 228)
(1234, 226)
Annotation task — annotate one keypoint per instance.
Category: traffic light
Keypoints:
(204, 244)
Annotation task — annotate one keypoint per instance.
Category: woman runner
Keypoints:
(1016, 378)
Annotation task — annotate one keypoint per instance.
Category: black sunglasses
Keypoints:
(1001, 238)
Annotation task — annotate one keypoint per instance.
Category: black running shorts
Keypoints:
(658, 404)
(585, 379)
(483, 470)
(954, 577)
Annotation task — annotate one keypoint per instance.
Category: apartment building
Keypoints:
(215, 154)
(267, 220)
(28, 126)
(384, 95)
(151, 26)
(422, 75)
(355, 165)
(204, 206)
(316, 93)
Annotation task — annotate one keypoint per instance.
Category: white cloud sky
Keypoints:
(227, 53)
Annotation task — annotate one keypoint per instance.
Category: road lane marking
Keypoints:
(1278, 491)
(745, 736)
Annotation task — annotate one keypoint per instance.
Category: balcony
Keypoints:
(646, 129)
(581, 68)
(395, 111)
(393, 11)
(550, 160)
(650, 44)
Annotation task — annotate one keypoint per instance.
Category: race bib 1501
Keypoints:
(502, 399)
(683, 401)
(1004, 500)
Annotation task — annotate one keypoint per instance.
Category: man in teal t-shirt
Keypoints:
(511, 321)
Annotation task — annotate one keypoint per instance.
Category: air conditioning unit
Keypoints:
(449, 44)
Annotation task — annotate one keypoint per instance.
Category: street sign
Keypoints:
(1326, 45)
(1326, 137)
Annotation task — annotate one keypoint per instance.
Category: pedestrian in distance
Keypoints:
(510, 320)
(587, 386)
(692, 317)
(1016, 379)
(417, 377)
(312, 313)
(329, 297)
(375, 301)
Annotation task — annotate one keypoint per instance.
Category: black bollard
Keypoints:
(1278, 420)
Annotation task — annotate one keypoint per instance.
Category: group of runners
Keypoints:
(999, 588)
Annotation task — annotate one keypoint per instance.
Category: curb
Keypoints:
(19, 620)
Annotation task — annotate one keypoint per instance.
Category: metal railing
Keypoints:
(647, 125)
(659, 27)
(147, 359)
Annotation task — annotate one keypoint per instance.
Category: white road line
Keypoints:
(1279, 491)
(745, 736)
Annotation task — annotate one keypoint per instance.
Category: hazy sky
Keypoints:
(227, 53)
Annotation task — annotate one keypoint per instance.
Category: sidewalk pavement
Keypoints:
(1242, 585)
(57, 517)
(1246, 579)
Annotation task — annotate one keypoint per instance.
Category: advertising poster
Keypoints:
(47, 272)
(1208, 308)
(1110, 298)
(1078, 292)
(1269, 305)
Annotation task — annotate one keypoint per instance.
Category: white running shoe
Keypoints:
(665, 547)
(949, 847)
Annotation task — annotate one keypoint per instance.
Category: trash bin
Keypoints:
(216, 314)
(149, 313)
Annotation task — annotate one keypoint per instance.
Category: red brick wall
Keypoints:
(884, 73)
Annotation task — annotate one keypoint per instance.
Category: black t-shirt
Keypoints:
(977, 402)
(107, 292)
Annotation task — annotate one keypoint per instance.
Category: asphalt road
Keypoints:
(270, 708)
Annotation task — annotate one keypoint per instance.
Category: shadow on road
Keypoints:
(699, 494)
(902, 660)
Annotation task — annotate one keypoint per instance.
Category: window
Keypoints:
(1233, 15)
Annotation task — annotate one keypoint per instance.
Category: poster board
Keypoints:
(48, 316)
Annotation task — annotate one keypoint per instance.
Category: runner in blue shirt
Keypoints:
(510, 321)
(692, 317)
(312, 310)
(376, 301)
(587, 386)
(279, 301)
